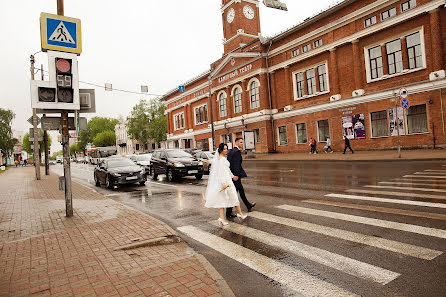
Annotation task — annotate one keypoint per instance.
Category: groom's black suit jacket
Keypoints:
(235, 160)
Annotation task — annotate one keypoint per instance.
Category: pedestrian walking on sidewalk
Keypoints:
(328, 146)
(221, 192)
(347, 145)
(235, 160)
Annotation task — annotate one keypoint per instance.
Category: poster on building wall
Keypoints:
(393, 131)
(347, 127)
(358, 126)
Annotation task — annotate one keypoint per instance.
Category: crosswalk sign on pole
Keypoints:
(60, 33)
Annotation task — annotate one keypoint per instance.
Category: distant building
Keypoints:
(127, 146)
(337, 74)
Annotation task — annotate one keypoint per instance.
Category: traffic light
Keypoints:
(64, 80)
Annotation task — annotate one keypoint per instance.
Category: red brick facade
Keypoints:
(337, 73)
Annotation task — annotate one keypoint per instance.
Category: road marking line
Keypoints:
(298, 281)
(382, 243)
(426, 176)
(412, 213)
(436, 170)
(326, 258)
(418, 178)
(368, 221)
(406, 188)
(399, 194)
(415, 184)
(161, 184)
(429, 173)
(388, 200)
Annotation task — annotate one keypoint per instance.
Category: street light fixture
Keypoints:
(277, 4)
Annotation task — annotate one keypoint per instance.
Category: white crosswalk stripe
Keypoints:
(406, 188)
(326, 258)
(385, 244)
(368, 221)
(388, 200)
(426, 176)
(435, 170)
(303, 284)
(430, 173)
(417, 178)
(412, 184)
(399, 194)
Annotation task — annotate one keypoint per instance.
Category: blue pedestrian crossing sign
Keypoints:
(405, 103)
(60, 33)
(181, 89)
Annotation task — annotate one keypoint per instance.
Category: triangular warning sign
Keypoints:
(61, 34)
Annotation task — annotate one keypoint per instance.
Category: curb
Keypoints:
(220, 282)
(346, 160)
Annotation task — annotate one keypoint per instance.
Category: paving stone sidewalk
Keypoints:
(44, 253)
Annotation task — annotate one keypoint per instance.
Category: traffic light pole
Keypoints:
(66, 146)
(36, 135)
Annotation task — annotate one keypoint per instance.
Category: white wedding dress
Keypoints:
(220, 175)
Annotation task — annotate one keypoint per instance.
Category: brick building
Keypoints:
(336, 74)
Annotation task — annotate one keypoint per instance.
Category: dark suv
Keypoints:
(175, 163)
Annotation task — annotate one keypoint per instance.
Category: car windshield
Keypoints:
(119, 163)
(210, 155)
(178, 154)
(145, 157)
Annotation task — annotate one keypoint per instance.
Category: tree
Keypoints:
(148, 121)
(106, 138)
(26, 144)
(59, 153)
(95, 126)
(74, 148)
(6, 141)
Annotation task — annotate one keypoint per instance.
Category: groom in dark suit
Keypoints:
(235, 160)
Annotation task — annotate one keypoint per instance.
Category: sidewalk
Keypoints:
(44, 253)
(388, 155)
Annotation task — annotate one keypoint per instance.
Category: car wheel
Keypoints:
(198, 176)
(170, 175)
(153, 174)
(96, 180)
(142, 183)
(108, 182)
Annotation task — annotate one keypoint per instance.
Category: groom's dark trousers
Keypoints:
(235, 160)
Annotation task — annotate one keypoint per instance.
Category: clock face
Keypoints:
(248, 11)
(230, 16)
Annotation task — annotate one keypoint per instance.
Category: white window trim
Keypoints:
(317, 87)
(371, 128)
(295, 129)
(233, 98)
(297, 51)
(175, 128)
(401, 6)
(195, 114)
(309, 48)
(218, 100)
(249, 91)
(317, 130)
(406, 122)
(376, 21)
(381, 14)
(383, 42)
(235, 87)
(278, 135)
(321, 44)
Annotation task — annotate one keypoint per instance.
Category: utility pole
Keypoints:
(397, 126)
(66, 146)
(45, 135)
(211, 109)
(36, 136)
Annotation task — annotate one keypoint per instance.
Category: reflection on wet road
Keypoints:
(319, 228)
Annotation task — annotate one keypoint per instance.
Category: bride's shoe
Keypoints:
(222, 223)
(242, 217)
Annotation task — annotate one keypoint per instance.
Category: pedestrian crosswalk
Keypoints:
(412, 206)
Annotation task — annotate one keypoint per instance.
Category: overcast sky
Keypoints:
(127, 43)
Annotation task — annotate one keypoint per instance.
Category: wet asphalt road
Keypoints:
(363, 239)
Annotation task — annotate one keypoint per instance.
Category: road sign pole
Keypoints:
(397, 127)
(36, 156)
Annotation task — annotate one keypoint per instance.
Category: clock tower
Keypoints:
(241, 22)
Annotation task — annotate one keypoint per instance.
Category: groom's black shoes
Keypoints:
(252, 205)
(229, 216)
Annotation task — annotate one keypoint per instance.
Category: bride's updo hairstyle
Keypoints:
(221, 147)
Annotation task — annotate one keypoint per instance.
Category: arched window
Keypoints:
(222, 104)
(237, 100)
(254, 94)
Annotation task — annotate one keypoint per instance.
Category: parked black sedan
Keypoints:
(118, 171)
(175, 163)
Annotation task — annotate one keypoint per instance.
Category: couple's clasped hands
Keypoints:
(225, 186)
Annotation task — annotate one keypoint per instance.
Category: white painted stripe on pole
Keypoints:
(426, 176)
(414, 184)
(430, 173)
(368, 221)
(388, 200)
(382, 243)
(407, 188)
(347, 265)
(399, 194)
(298, 281)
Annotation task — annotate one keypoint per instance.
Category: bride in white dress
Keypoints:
(221, 192)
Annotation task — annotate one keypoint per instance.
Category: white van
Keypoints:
(59, 159)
